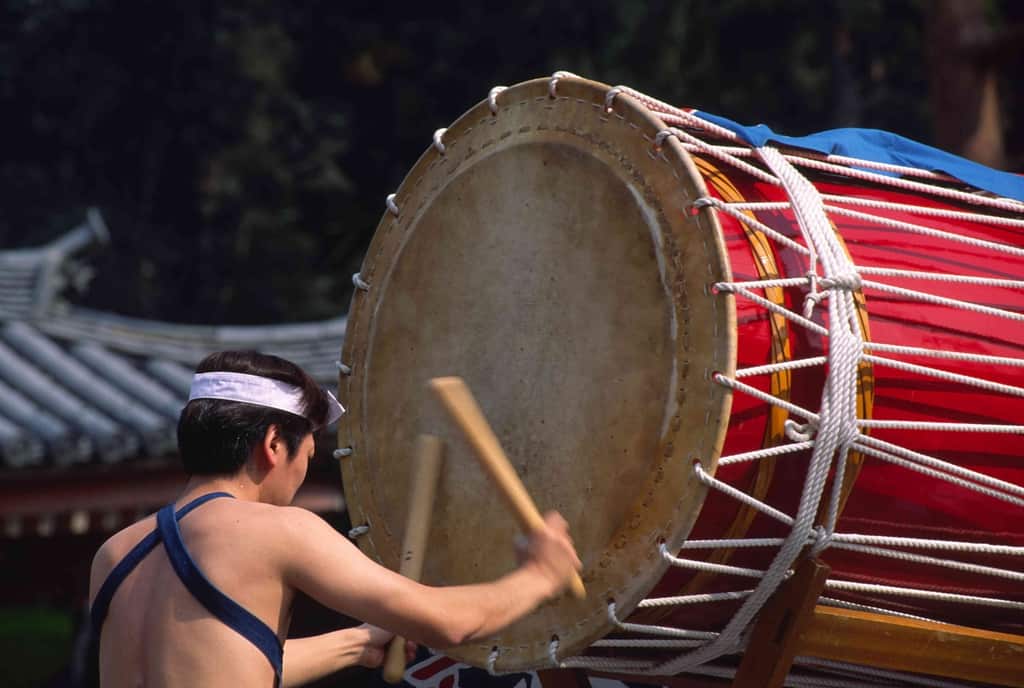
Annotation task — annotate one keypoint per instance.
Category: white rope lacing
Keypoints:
(831, 432)
(857, 170)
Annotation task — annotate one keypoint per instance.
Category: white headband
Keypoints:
(261, 391)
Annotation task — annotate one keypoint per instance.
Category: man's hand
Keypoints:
(308, 659)
(374, 646)
(549, 551)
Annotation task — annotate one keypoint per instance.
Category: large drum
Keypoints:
(713, 358)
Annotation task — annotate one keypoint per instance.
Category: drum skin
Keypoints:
(551, 257)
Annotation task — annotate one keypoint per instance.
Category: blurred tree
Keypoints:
(969, 47)
(241, 150)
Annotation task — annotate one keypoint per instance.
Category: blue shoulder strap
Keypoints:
(215, 601)
(101, 605)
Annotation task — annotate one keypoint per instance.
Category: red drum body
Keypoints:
(715, 360)
(968, 426)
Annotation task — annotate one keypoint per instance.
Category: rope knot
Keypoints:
(848, 281)
(822, 540)
(801, 432)
(813, 297)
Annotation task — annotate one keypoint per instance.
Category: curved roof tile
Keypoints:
(84, 385)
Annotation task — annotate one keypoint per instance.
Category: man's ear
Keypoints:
(273, 447)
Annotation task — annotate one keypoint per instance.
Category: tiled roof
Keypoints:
(82, 386)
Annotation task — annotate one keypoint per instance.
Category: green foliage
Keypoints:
(34, 645)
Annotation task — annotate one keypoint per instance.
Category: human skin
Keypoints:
(260, 551)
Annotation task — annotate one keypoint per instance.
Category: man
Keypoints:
(201, 593)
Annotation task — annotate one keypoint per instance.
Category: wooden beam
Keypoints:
(923, 647)
(774, 639)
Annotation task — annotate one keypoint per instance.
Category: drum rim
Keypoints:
(647, 124)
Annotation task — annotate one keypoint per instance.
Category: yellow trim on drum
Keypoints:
(781, 382)
(780, 385)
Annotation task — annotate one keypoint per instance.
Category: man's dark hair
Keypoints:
(215, 436)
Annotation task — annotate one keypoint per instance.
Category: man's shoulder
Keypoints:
(117, 546)
(121, 542)
(268, 520)
(290, 518)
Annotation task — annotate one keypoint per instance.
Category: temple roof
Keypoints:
(82, 386)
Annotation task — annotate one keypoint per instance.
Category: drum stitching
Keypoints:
(654, 533)
(709, 407)
(715, 306)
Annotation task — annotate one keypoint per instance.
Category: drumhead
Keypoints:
(549, 256)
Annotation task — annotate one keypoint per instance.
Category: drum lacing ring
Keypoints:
(492, 658)
(554, 80)
(492, 98)
(342, 452)
(553, 650)
(392, 206)
(359, 531)
(437, 140)
(359, 282)
(659, 138)
(700, 203)
(343, 369)
(612, 616)
(609, 98)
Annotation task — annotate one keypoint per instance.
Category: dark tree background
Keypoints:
(241, 151)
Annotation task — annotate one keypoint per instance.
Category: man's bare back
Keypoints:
(157, 629)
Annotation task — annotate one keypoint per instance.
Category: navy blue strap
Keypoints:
(101, 605)
(215, 601)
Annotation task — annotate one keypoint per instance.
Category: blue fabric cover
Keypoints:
(884, 147)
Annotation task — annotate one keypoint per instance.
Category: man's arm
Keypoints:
(307, 659)
(331, 570)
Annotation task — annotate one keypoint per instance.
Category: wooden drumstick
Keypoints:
(459, 401)
(417, 525)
